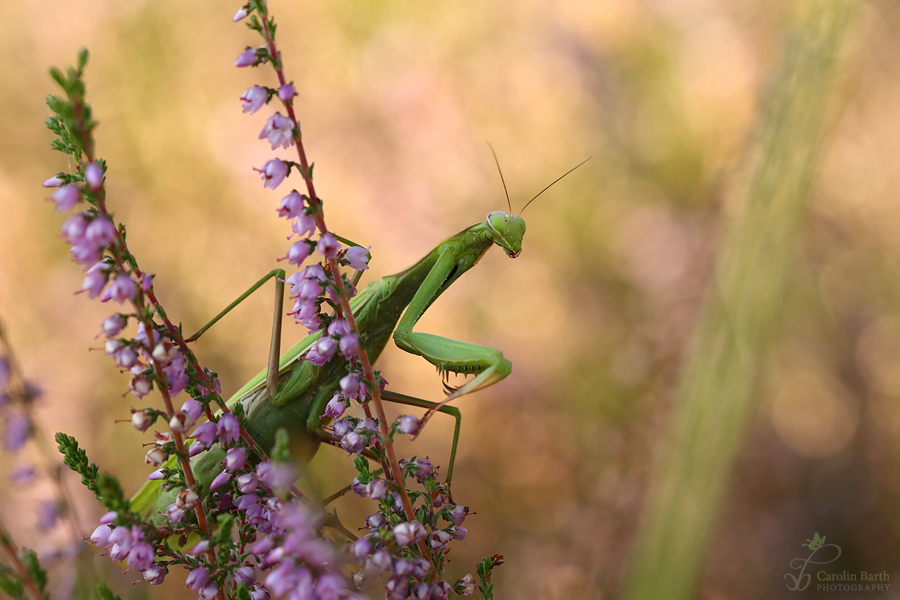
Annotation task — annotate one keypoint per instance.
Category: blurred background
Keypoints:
(396, 102)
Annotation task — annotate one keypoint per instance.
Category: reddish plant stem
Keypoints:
(13, 553)
(117, 251)
(368, 371)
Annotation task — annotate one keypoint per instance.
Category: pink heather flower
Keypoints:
(254, 98)
(459, 533)
(440, 590)
(121, 289)
(273, 173)
(396, 589)
(192, 408)
(329, 587)
(101, 536)
(21, 475)
(157, 475)
(315, 272)
(235, 459)
(309, 290)
(65, 197)
(291, 205)
(247, 58)
(154, 574)
(354, 443)
(48, 513)
(358, 487)
(204, 435)
(141, 335)
(245, 574)
(349, 385)
(176, 375)
(376, 489)
(197, 578)
(407, 424)
(342, 428)
(108, 518)
(247, 483)
(95, 280)
(322, 352)
(187, 500)
(350, 345)
(84, 252)
(328, 246)
(259, 593)
(358, 257)
(165, 352)
(123, 537)
(52, 182)
(298, 252)
(465, 586)
(304, 225)
(279, 131)
(147, 282)
(339, 327)
(74, 227)
(113, 324)
(141, 556)
(93, 175)
(181, 422)
(360, 549)
(438, 540)
(335, 407)
(141, 420)
(125, 356)
(228, 428)
(275, 475)
(18, 430)
(155, 456)
(174, 514)
(458, 514)
(286, 92)
(100, 232)
(220, 480)
(421, 468)
(374, 522)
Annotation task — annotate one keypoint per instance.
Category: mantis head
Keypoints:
(507, 231)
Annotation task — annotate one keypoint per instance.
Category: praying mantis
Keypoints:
(293, 395)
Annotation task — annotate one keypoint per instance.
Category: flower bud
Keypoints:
(93, 175)
(156, 456)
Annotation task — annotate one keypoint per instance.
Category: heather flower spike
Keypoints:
(233, 485)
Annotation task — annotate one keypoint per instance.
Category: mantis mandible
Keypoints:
(296, 398)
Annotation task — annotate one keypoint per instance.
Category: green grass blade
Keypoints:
(717, 396)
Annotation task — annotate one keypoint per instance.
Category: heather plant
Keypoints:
(221, 503)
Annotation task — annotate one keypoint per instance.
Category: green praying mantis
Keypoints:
(293, 395)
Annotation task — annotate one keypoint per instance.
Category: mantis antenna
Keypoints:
(549, 186)
(508, 203)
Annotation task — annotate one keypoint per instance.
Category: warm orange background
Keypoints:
(397, 101)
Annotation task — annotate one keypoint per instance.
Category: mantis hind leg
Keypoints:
(275, 345)
(432, 406)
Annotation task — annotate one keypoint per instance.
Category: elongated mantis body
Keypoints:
(392, 305)
(296, 399)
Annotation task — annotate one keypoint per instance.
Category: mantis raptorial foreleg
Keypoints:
(446, 354)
